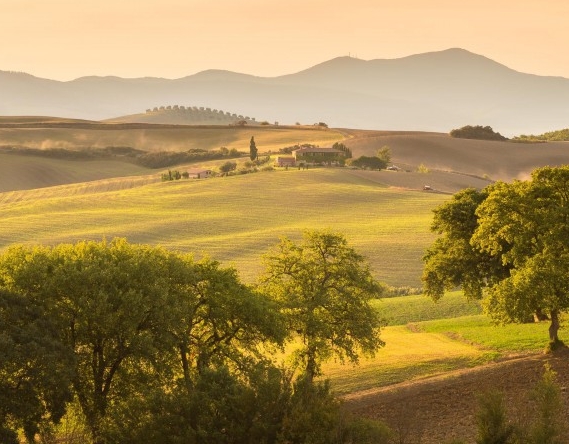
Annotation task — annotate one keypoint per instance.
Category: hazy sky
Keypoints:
(66, 39)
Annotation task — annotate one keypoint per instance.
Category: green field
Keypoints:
(234, 219)
(403, 310)
(434, 342)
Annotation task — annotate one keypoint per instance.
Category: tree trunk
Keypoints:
(554, 327)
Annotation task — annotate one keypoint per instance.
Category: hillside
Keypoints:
(434, 91)
(439, 409)
(453, 163)
(157, 137)
(234, 219)
(185, 115)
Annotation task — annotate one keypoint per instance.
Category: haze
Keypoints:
(66, 39)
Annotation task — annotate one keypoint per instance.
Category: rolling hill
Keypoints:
(434, 91)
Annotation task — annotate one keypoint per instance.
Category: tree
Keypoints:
(452, 260)
(252, 149)
(35, 368)
(477, 132)
(323, 288)
(371, 162)
(341, 147)
(384, 154)
(519, 252)
(228, 166)
(108, 300)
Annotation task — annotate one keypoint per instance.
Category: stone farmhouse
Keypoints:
(318, 156)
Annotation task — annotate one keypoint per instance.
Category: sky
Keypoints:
(67, 39)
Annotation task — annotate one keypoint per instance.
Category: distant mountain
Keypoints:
(435, 91)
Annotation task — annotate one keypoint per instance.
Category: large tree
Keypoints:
(516, 245)
(136, 322)
(35, 368)
(108, 300)
(324, 287)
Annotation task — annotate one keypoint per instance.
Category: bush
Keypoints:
(493, 425)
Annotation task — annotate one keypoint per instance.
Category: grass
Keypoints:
(406, 356)
(405, 309)
(234, 219)
(428, 345)
(479, 330)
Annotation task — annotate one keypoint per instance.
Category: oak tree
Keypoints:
(324, 287)
(510, 239)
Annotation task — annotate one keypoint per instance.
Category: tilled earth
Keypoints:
(442, 409)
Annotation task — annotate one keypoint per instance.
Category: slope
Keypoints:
(234, 219)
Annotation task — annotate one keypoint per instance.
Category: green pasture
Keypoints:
(428, 345)
(417, 308)
(234, 219)
(481, 331)
(183, 138)
(407, 356)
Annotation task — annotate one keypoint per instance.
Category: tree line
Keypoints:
(148, 345)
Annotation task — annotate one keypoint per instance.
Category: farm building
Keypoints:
(198, 173)
(327, 156)
(285, 161)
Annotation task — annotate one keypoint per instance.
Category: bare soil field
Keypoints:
(442, 408)
(438, 151)
(452, 164)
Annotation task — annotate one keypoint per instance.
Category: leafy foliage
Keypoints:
(253, 149)
(371, 162)
(323, 287)
(35, 377)
(477, 132)
(154, 346)
(510, 239)
(551, 136)
(155, 159)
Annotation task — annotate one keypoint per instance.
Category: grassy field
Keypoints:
(234, 219)
(434, 342)
(403, 310)
(182, 138)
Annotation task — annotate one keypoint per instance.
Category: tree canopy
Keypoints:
(510, 239)
(253, 149)
(152, 346)
(371, 162)
(477, 132)
(323, 288)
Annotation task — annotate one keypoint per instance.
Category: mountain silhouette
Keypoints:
(435, 91)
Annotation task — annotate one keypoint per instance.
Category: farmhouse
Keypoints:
(198, 173)
(326, 156)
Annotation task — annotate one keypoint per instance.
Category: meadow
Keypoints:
(234, 219)
(424, 339)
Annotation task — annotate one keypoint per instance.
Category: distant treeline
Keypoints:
(551, 136)
(477, 132)
(159, 159)
(201, 113)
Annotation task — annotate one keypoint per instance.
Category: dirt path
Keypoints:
(439, 409)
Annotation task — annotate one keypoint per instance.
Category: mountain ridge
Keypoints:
(434, 91)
